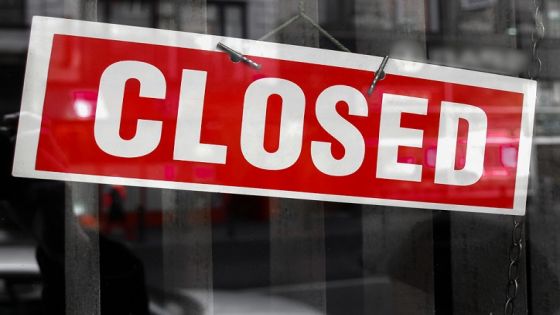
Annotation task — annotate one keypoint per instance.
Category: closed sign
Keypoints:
(124, 105)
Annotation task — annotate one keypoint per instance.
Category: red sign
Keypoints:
(124, 105)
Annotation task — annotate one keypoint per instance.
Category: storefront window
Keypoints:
(83, 248)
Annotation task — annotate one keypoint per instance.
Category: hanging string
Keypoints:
(536, 35)
(517, 239)
(302, 15)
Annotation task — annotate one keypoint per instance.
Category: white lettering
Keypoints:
(110, 103)
(343, 131)
(392, 135)
(189, 123)
(291, 123)
(447, 144)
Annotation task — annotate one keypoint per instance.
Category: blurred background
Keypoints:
(174, 252)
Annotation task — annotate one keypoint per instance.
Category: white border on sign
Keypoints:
(40, 45)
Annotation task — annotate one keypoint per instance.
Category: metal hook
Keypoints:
(236, 56)
(379, 75)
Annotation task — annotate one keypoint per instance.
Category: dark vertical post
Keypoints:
(443, 286)
(154, 13)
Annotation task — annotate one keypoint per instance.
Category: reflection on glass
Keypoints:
(271, 256)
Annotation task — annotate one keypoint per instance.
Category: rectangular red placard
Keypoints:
(125, 105)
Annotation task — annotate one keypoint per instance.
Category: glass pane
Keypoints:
(132, 13)
(213, 19)
(234, 21)
(79, 248)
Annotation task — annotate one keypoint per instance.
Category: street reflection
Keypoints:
(61, 246)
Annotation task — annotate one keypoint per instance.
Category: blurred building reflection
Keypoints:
(372, 253)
